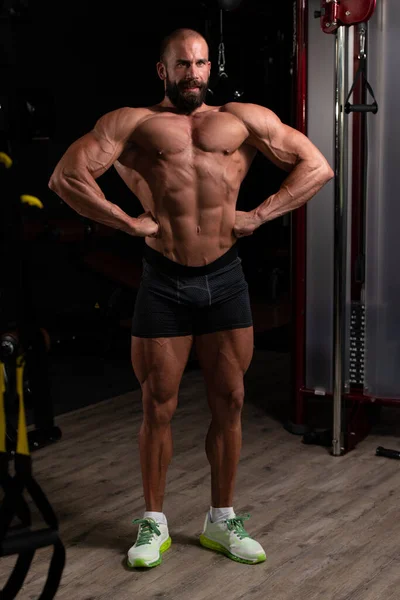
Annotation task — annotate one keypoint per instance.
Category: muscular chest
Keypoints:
(186, 137)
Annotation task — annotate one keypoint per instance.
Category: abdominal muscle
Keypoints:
(191, 193)
(196, 236)
(195, 211)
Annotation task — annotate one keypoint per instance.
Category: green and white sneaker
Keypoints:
(231, 538)
(152, 540)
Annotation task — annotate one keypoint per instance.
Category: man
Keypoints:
(185, 161)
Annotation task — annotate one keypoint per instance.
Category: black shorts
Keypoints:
(175, 300)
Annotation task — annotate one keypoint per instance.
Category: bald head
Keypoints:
(185, 69)
(179, 35)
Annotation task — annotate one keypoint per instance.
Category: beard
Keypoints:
(186, 102)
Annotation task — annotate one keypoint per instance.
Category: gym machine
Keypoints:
(22, 343)
(346, 292)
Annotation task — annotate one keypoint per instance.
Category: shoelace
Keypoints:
(146, 531)
(236, 525)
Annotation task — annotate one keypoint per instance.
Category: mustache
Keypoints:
(192, 83)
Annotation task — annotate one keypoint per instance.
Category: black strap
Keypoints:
(21, 568)
(22, 540)
(25, 542)
(362, 108)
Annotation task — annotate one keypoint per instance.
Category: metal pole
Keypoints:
(340, 241)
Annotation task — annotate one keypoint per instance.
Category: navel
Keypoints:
(226, 152)
(198, 229)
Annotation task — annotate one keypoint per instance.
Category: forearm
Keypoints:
(87, 199)
(298, 188)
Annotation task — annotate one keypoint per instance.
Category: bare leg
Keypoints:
(159, 365)
(224, 357)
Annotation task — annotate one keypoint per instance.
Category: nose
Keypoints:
(192, 72)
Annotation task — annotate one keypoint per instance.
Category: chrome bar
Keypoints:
(340, 242)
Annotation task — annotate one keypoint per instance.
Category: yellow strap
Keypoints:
(6, 160)
(2, 410)
(22, 440)
(31, 200)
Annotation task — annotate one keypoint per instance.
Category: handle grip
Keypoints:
(380, 451)
(361, 108)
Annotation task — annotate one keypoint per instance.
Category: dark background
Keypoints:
(63, 65)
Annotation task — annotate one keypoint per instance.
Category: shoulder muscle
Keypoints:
(97, 150)
(283, 145)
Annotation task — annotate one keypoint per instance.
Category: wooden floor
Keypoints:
(330, 526)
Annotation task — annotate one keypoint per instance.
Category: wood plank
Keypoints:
(330, 525)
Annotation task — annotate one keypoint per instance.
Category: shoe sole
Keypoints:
(211, 545)
(141, 562)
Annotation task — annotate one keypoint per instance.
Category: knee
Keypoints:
(159, 404)
(157, 412)
(234, 400)
(227, 406)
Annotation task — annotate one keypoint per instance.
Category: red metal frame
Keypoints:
(354, 397)
(299, 221)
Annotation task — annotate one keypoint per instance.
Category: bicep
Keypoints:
(94, 153)
(91, 153)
